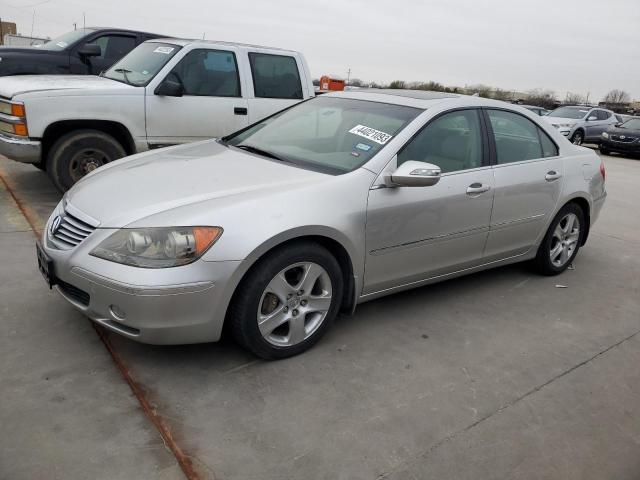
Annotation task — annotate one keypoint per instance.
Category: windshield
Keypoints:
(332, 134)
(63, 41)
(633, 124)
(570, 112)
(142, 63)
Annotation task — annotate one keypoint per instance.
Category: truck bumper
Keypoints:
(21, 150)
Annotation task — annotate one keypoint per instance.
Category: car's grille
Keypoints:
(618, 138)
(74, 293)
(69, 230)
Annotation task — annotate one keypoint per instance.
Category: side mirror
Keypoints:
(617, 124)
(90, 50)
(592, 118)
(169, 88)
(416, 174)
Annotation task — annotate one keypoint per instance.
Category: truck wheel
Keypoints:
(78, 153)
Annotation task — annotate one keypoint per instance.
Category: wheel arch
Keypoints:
(115, 129)
(328, 238)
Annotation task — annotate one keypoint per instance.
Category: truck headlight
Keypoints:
(158, 247)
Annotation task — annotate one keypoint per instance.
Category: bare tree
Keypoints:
(500, 94)
(542, 98)
(397, 84)
(616, 97)
(356, 82)
(574, 98)
(482, 90)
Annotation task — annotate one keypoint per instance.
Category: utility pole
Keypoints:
(74, 25)
(348, 75)
(84, 21)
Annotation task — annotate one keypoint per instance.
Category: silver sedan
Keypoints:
(275, 229)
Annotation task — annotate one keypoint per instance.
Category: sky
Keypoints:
(587, 47)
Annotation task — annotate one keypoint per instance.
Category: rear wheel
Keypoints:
(562, 241)
(578, 138)
(78, 153)
(287, 301)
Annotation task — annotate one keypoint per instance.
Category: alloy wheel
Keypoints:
(294, 304)
(577, 138)
(564, 240)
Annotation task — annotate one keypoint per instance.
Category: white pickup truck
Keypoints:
(164, 92)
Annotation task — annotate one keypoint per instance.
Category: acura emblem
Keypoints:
(55, 224)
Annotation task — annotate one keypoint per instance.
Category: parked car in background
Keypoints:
(338, 200)
(537, 110)
(163, 93)
(622, 138)
(581, 124)
(87, 51)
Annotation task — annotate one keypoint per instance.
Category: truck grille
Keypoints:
(69, 230)
(617, 138)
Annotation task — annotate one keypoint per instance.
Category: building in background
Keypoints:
(7, 28)
(22, 41)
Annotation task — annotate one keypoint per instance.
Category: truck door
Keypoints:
(276, 84)
(212, 104)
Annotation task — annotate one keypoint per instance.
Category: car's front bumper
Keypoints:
(178, 305)
(20, 149)
(614, 146)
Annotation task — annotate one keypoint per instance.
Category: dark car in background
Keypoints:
(622, 138)
(87, 51)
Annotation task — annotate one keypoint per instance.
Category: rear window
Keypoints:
(275, 76)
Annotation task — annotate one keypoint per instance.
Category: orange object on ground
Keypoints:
(328, 83)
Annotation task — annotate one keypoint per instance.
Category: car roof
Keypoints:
(418, 98)
(183, 42)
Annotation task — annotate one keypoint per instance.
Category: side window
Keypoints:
(452, 141)
(211, 73)
(275, 76)
(549, 149)
(114, 47)
(517, 138)
(602, 115)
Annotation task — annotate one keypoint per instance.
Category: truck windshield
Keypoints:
(333, 134)
(63, 41)
(142, 64)
(570, 112)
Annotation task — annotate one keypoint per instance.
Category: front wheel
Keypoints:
(577, 138)
(604, 150)
(561, 242)
(287, 301)
(78, 153)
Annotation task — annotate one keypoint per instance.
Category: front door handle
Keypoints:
(477, 188)
(552, 175)
(240, 110)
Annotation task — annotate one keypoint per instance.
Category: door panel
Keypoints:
(414, 233)
(212, 104)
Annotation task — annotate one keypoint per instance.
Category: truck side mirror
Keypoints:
(90, 50)
(169, 88)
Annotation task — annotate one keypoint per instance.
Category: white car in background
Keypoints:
(164, 92)
(581, 124)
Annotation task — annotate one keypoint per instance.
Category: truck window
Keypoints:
(275, 76)
(114, 47)
(212, 73)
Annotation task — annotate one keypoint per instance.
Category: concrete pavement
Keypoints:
(496, 375)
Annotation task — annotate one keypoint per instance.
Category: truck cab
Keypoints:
(164, 92)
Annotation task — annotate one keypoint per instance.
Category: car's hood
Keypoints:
(560, 120)
(627, 132)
(18, 84)
(152, 182)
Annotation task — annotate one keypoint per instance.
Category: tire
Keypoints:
(555, 254)
(295, 320)
(77, 153)
(40, 165)
(578, 137)
(604, 150)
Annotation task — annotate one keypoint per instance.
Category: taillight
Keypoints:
(602, 170)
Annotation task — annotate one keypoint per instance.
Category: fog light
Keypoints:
(117, 313)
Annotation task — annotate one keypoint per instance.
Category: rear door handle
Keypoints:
(552, 175)
(477, 188)
(240, 110)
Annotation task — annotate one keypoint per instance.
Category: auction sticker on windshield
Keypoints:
(371, 133)
(165, 50)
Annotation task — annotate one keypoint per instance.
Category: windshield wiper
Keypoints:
(259, 151)
(124, 72)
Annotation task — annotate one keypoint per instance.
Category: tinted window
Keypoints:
(114, 47)
(602, 115)
(517, 138)
(453, 142)
(211, 73)
(275, 76)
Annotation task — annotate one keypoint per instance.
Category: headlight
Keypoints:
(605, 135)
(161, 247)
